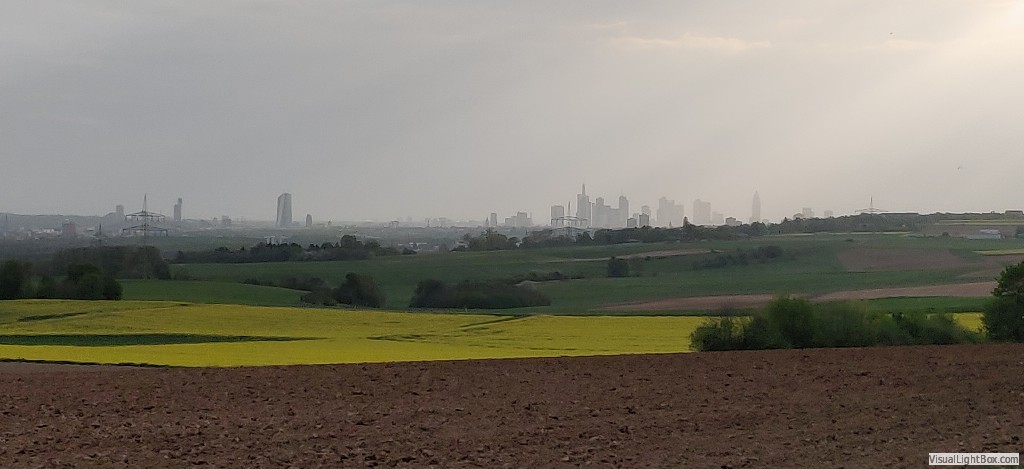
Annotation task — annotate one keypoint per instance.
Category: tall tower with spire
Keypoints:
(755, 209)
(583, 207)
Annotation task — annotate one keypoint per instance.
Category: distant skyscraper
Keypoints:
(583, 208)
(807, 212)
(701, 212)
(623, 212)
(494, 220)
(669, 213)
(646, 210)
(717, 219)
(284, 210)
(119, 210)
(309, 221)
(755, 209)
(644, 220)
(520, 220)
(557, 216)
(600, 213)
(177, 211)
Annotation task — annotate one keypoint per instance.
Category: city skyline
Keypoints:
(464, 109)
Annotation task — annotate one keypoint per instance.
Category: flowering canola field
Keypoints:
(184, 334)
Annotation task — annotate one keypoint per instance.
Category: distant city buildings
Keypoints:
(598, 214)
(119, 210)
(806, 212)
(284, 210)
(309, 220)
(520, 220)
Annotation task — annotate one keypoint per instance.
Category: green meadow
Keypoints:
(810, 266)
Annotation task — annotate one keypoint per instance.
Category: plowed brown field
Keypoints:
(881, 407)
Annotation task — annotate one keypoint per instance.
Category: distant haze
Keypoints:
(387, 109)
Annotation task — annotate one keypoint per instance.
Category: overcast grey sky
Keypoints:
(386, 109)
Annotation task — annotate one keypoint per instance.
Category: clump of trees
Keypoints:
(760, 255)
(535, 276)
(355, 290)
(1003, 317)
(82, 281)
(796, 323)
(488, 240)
(348, 248)
(116, 261)
(433, 293)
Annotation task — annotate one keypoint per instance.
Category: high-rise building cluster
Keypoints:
(669, 213)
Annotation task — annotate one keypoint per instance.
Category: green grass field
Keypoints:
(810, 266)
(209, 292)
(181, 334)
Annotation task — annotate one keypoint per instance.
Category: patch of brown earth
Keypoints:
(893, 260)
(14, 368)
(877, 407)
(696, 303)
(977, 289)
(994, 266)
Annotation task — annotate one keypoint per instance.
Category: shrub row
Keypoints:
(796, 323)
(432, 293)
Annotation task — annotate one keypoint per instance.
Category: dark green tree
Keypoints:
(359, 290)
(47, 287)
(1004, 314)
(618, 267)
(14, 279)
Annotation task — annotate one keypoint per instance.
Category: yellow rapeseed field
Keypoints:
(229, 335)
(969, 321)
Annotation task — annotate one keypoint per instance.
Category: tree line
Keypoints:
(347, 248)
(81, 282)
(362, 290)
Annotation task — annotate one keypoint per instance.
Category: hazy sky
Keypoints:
(386, 109)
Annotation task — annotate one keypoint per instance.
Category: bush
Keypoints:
(319, 296)
(618, 267)
(87, 282)
(1003, 319)
(719, 334)
(432, 293)
(796, 323)
(359, 290)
